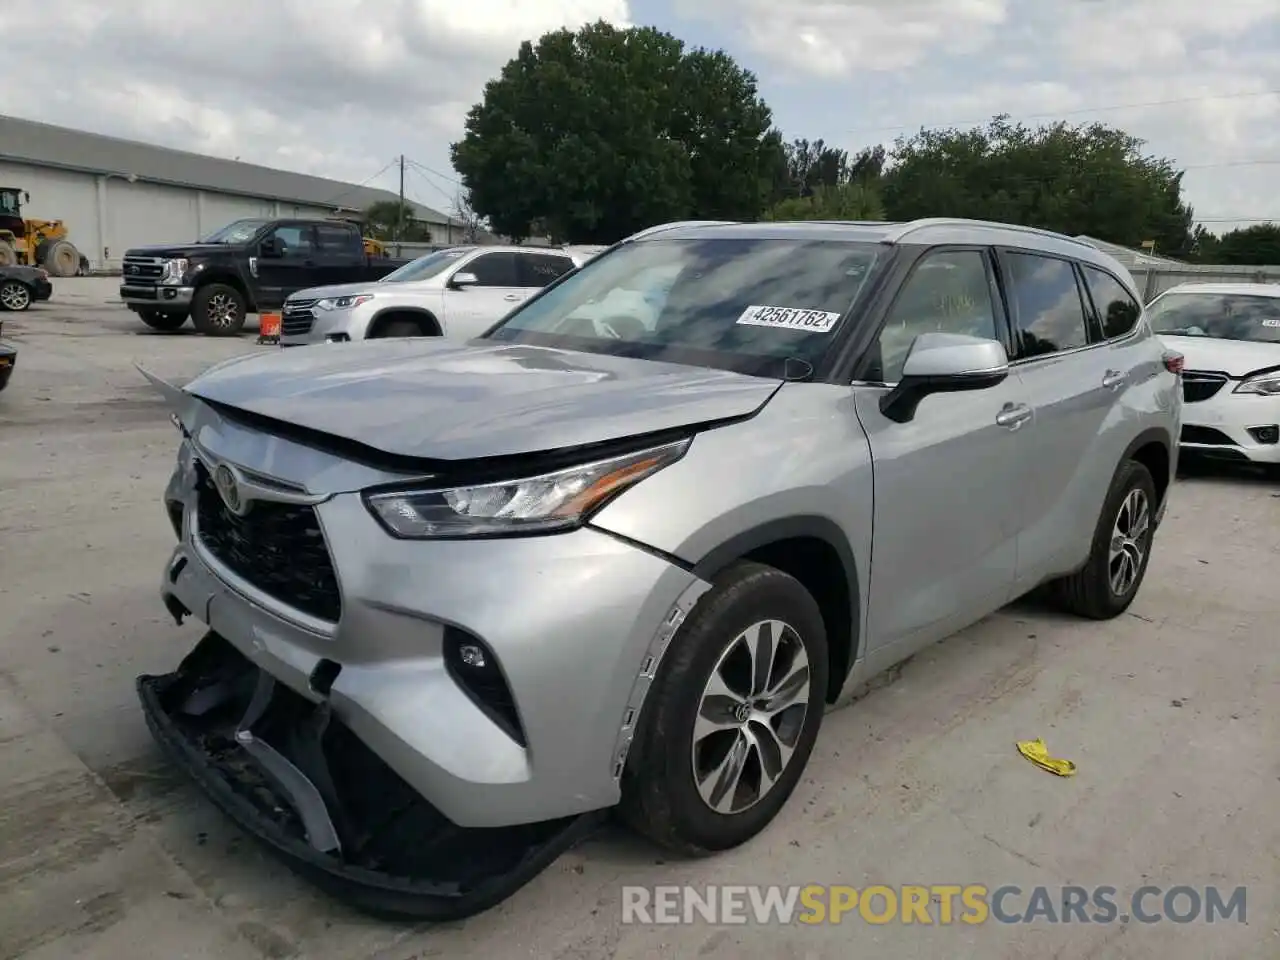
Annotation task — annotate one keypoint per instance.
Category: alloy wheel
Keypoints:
(223, 310)
(1128, 542)
(14, 296)
(750, 716)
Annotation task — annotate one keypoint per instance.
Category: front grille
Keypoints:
(1198, 385)
(297, 318)
(1207, 436)
(277, 547)
(143, 269)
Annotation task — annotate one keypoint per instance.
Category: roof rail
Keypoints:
(906, 229)
(664, 227)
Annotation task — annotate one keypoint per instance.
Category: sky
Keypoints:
(340, 88)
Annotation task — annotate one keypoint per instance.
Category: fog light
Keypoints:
(1269, 434)
(472, 656)
(336, 338)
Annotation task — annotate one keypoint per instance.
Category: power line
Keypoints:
(436, 173)
(1053, 115)
(1237, 219)
(366, 181)
(440, 190)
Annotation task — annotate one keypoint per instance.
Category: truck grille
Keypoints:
(297, 318)
(277, 547)
(142, 270)
(1198, 385)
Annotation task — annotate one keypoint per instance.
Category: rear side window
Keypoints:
(1046, 299)
(495, 270)
(539, 269)
(1117, 310)
(335, 239)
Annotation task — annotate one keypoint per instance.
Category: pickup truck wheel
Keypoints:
(159, 320)
(732, 716)
(1109, 580)
(218, 310)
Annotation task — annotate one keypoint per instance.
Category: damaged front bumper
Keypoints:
(295, 777)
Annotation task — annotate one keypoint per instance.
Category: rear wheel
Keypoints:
(61, 259)
(218, 310)
(1109, 580)
(14, 296)
(159, 320)
(732, 716)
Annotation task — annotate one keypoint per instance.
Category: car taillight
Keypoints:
(1174, 362)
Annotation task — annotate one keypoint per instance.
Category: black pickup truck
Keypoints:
(246, 267)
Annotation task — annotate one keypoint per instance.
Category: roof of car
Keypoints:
(1229, 289)
(926, 232)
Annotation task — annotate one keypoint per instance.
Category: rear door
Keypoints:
(1074, 383)
(946, 483)
(339, 256)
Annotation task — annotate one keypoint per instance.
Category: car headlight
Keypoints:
(1265, 384)
(548, 502)
(343, 303)
(174, 271)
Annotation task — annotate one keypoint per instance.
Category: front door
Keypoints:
(292, 270)
(944, 543)
(470, 311)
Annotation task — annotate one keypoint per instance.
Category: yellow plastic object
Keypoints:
(1038, 753)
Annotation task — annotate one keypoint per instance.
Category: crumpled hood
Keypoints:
(336, 290)
(441, 400)
(1236, 358)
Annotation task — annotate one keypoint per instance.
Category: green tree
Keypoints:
(382, 218)
(602, 132)
(1257, 245)
(847, 201)
(1088, 179)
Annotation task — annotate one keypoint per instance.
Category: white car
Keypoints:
(1229, 335)
(459, 292)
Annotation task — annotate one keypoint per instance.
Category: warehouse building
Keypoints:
(113, 194)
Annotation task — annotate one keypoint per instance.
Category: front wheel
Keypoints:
(218, 310)
(1109, 580)
(14, 296)
(732, 716)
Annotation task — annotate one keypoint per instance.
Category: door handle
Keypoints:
(1013, 415)
(1114, 379)
(512, 297)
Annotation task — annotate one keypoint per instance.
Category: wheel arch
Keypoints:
(815, 551)
(1153, 448)
(230, 279)
(420, 315)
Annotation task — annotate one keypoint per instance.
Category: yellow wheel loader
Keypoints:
(34, 243)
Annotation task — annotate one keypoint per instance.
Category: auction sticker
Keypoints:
(790, 318)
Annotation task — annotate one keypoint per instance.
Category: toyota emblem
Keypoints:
(224, 478)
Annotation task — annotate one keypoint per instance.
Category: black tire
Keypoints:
(15, 296)
(160, 320)
(218, 310)
(1090, 591)
(660, 797)
(401, 328)
(61, 258)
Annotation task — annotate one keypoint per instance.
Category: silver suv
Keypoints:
(459, 292)
(465, 591)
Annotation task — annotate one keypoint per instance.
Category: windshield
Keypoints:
(742, 304)
(1219, 316)
(426, 267)
(236, 232)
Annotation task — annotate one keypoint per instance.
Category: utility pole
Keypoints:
(400, 208)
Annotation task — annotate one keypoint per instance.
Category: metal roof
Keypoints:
(42, 144)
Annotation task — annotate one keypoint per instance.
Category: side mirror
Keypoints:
(272, 248)
(463, 279)
(944, 363)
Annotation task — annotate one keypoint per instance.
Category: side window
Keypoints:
(296, 241)
(1117, 310)
(332, 239)
(947, 292)
(495, 270)
(539, 269)
(1050, 314)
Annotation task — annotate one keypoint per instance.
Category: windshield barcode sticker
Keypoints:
(790, 318)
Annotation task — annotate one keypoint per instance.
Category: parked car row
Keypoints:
(624, 548)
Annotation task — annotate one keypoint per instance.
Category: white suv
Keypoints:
(459, 292)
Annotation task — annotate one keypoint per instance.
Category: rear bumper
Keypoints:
(297, 780)
(158, 296)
